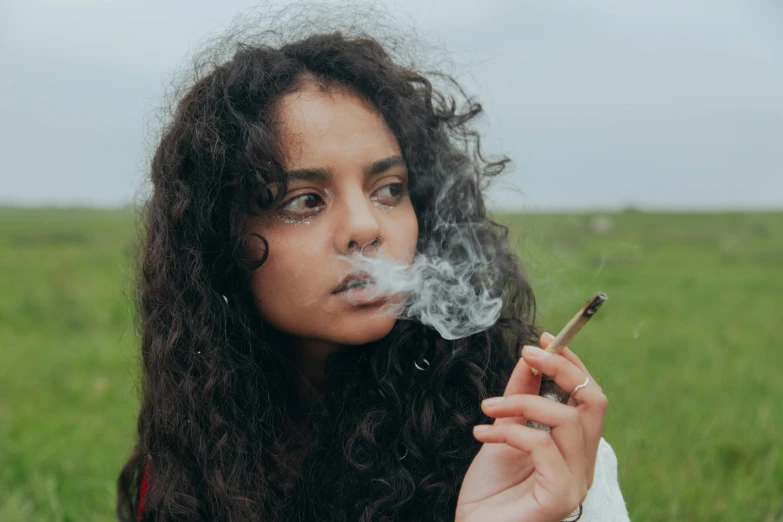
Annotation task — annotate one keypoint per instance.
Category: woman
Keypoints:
(270, 391)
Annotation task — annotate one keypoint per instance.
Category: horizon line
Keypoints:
(613, 209)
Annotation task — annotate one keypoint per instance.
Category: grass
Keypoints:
(687, 348)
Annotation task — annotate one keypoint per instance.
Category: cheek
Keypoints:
(285, 283)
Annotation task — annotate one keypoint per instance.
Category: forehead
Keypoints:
(317, 126)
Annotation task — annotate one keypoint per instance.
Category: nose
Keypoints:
(359, 228)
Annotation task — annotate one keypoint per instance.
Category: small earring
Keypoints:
(419, 367)
(406, 453)
(225, 298)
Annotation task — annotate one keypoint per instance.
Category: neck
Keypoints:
(308, 357)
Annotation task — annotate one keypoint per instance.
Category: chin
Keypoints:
(365, 330)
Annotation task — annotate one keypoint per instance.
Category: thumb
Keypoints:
(545, 339)
(522, 381)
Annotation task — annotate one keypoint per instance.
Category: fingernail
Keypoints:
(492, 401)
(548, 336)
(480, 428)
(532, 351)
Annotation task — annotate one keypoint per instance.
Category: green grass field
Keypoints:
(688, 349)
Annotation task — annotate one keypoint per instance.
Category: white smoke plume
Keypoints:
(445, 287)
(438, 292)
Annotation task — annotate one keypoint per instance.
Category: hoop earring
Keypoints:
(419, 367)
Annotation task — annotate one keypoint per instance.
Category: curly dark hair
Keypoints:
(386, 442)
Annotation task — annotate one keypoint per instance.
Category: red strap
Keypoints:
(145, 481)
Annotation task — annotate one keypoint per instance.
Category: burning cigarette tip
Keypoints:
(595, 303)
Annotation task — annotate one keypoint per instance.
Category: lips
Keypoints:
(358, 279)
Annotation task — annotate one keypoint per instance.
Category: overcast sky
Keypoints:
(601, 104)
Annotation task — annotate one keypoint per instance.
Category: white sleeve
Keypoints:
(604, 502)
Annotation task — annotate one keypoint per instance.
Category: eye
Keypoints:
(392, 192)
(302, 203)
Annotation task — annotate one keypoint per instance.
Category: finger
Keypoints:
(545, 341)
(593, 440)
(564, 421)
(571, 356)
(590, 400)
(566, 375)
(543, 451)
(521, 381)
(547, 338)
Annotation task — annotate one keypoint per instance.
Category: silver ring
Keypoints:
(587, 379)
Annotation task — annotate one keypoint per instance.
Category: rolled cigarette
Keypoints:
(549, 389)
(570, 330)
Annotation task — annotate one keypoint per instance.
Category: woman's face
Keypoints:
(347, 187)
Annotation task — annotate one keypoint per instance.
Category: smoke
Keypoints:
(448, 286)
(437, 292)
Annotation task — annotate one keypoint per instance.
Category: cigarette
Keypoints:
(549, 389)
(570, 330)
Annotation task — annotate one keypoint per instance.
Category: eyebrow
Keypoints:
(319, 174)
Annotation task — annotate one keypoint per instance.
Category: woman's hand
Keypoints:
(522, 474)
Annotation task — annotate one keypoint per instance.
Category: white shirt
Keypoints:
(604, 502)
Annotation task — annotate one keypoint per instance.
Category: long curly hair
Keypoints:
(387, 441)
